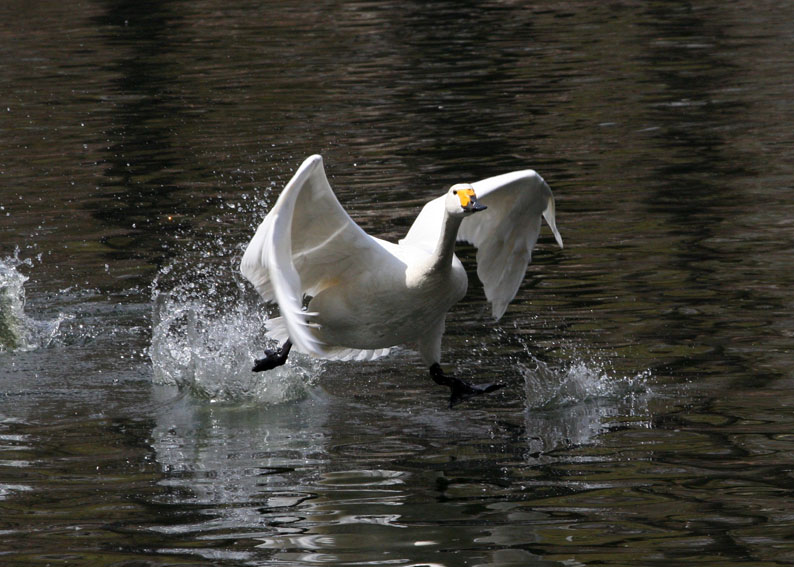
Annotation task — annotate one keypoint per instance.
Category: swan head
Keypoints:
(462, 200)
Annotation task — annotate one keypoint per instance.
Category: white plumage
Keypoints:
(366, 294)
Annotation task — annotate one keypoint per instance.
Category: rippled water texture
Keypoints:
(647, 418)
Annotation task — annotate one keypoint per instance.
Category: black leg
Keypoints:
(460, 390)
(273, 358)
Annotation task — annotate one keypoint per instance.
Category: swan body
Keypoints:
(366, 295)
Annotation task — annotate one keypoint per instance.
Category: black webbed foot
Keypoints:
(460, 390)
(273, 358)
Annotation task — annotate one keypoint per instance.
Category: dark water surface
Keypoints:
(649, 413)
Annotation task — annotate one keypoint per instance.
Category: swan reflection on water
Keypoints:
(324, 477)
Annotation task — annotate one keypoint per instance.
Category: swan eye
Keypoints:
(455, 192)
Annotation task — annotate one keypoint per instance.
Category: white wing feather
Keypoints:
(277, 330)
(305, 242)
(506, 232)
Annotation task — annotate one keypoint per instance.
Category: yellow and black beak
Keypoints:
(468, 201)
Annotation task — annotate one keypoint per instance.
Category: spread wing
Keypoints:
(306, 242)
(506, 232)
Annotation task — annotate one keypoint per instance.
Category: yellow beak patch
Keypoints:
(465, 196)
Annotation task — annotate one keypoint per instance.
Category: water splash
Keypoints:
(571, 404)
(206, 332)
(580, 380)
(19, 331)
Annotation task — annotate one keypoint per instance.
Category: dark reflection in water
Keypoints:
(647, 417)
(142, 159)
(700, 168)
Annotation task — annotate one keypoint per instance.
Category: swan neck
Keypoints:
(445, 249)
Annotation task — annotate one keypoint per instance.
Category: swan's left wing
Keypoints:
(506, 232)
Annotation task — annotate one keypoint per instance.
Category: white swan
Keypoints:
(366, 295)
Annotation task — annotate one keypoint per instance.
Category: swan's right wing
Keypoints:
(306, 242)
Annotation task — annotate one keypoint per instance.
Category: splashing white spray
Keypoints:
(579, 380)
(18, 331)
(205, 336)
(575, 402)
